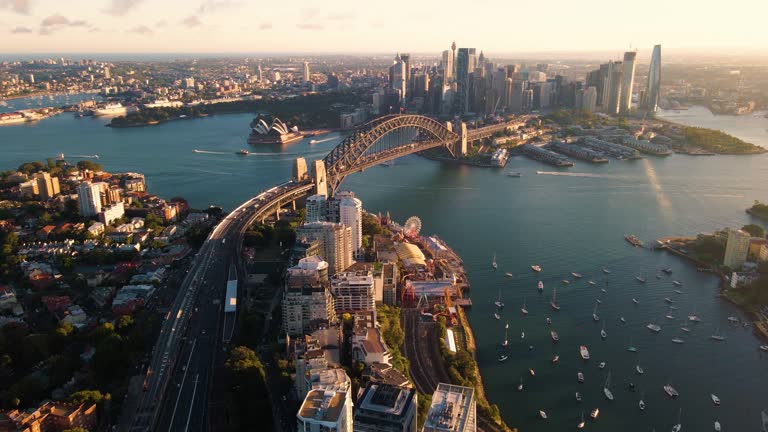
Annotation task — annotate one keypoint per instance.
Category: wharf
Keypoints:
(546, 156)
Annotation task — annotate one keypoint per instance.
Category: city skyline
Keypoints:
(218, 26)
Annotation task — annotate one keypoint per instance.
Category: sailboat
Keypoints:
(509, 274)
(603, 334)
(607, 388)
(630, 347)
(553, 303)
(679, 426)
(606, 271)
(520, 386)
(554, 336)
(506, 336)
(493, 264)
(499, 303)
(669, 314)
(717, 336)
(503, 358)
(523, 309)
(541, 286)
(594, 314)
(641, 404)
(522, 334)
(542, 414)
(639, 370)
(496, 314)
(581, 423)
(592, 283)
(623, 320)
(678, 340)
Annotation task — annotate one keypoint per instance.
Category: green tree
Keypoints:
(754, 230)
(89, 165)
(86, 396)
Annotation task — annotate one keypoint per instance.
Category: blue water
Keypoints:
(564, 223)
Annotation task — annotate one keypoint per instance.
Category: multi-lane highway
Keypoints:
(178, 380)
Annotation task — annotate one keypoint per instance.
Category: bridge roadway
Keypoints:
(176, 386)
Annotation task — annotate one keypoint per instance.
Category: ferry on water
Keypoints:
(633, 240)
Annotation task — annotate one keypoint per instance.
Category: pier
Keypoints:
(577, 152)
(546, 156)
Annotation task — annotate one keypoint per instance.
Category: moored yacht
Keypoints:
(536, 268)
(541, 286)
(653, 327)
(554, 336)
(669, 390)
(576, 275)
(584, 352)
(715, 399)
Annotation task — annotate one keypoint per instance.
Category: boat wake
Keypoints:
(579, 174)
(209, 152)
(93, 156)
(321, 141)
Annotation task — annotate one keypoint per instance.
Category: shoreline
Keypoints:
(724, 290)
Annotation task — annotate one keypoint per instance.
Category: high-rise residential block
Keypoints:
(627, 80)
(89, 198)
(736, 249)
(386, 408)
(653, 89)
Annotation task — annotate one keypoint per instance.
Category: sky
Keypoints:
(498, 27)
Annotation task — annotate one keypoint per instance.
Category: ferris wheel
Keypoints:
(412, 227)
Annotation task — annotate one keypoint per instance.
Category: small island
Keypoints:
(718, 141)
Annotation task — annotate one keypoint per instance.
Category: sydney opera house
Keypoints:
(275, 133)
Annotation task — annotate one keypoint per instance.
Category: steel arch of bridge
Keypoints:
(350, 155)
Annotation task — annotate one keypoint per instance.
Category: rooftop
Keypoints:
(323, 406)
(385, 399)
(453, 409)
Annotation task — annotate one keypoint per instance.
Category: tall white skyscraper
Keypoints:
(89, 197)
(628, 78)
(653, 90)
(351, 215)
(306, 72)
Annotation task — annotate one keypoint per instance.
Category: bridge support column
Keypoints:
(320, 178)
(293, 205)
(461, 144)
(277, 211)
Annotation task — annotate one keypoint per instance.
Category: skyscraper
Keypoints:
(447, 66)
(626, 82)
(611, 97)
(306, 72)
(406, 58)
(654, 81)
(351, 215)
(89, 197)
(397, 77)
(465, 64)
(335, 243)
(736, 249)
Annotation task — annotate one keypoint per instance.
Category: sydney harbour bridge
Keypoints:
(179, 378)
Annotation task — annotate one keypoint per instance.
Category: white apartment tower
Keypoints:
(89, 197)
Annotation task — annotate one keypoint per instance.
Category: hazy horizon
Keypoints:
(347, 27)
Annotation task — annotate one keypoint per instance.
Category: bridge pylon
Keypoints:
(320, 178)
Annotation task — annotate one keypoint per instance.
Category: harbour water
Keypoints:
(565, 223)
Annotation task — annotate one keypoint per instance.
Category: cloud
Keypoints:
(209, 6)
(141, 30)
(19, 30)
(192, 21)
(265, 26)
(122, 7)
(78, 23)
(309, 26)
(54, 21)
(18, 6)
(161, 23)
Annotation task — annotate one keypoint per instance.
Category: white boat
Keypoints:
(685, 329)
(555, 359)
(509, 274)
(503, 358)
(506, 336)
(668, 300)
(679, 426)
(602, 290)
(669, 390)
(653, 327)
(763, 348)
(715, 399)
(733, 319)
(580, 377)
(493, 264)
(520, 386)
(549, 320)
(634, 300)
(641, 404)
(678, 292)
(718, 428)
(639, 369)
(677, 340)
(599, 301)
(578, 397)
(496, 315)
(313, 141)
(581, 423)
(607, 388)
(566, 281)
(114, 109)
(603, 334)
(717, 336)
(541, 286)
(523, 309)
(640, 279)
(499, 303)
(536, 268)
(522, 334)
(584, 352)
(532, 372)
(622, 320)
(595, 412)
(542, 414)
(601, 365)
(576, 275)
(554, 336)
(678, 283)
(514, 174)
(594, 314)
(606, 271)
(592, 283)
(553, 302)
